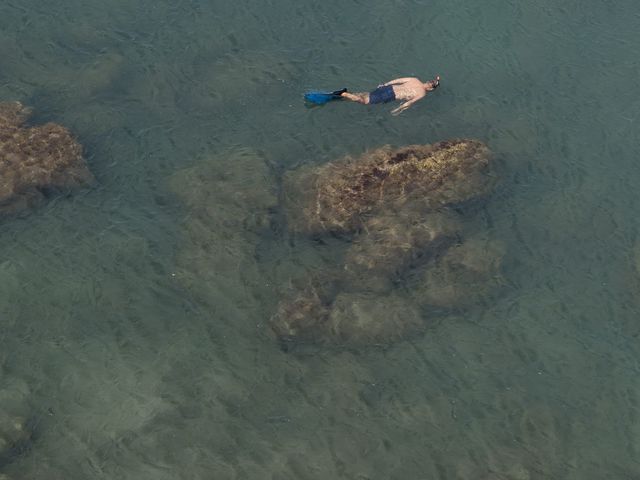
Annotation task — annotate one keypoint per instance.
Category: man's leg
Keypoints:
(357, 97)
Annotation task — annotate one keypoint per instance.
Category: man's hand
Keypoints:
(404, 106)
(400, 109)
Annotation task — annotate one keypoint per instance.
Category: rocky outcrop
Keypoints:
(36, 161)
(399, 209)
(339, 196)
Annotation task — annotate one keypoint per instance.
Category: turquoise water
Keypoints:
(136, 356)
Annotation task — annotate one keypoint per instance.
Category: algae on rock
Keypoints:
(339, 196)
(35, 161)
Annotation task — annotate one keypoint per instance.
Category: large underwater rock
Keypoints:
(36, 161)
(403, 213)
(340, 195)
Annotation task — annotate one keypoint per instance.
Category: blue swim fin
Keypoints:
(320, 98)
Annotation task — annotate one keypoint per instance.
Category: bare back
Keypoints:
(411, 89)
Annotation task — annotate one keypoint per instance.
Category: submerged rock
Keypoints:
(347, 318)
(395, 208)
(35, 161)
(304, 314)
(390, 244)
(372, 319)
(228, 200)
(339, 196)
(462, 276)
(15, 434)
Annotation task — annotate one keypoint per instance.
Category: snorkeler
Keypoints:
(408, 89)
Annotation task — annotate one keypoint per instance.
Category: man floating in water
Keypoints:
(407, 89)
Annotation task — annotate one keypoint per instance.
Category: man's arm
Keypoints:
(404, 106)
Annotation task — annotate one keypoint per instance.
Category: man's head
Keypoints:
(433, 84)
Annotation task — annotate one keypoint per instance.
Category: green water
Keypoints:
(127, 372)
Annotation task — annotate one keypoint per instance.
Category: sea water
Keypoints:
(126, 371)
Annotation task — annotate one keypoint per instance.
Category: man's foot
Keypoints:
(338, 93)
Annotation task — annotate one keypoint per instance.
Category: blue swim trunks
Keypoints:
(382, 95)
